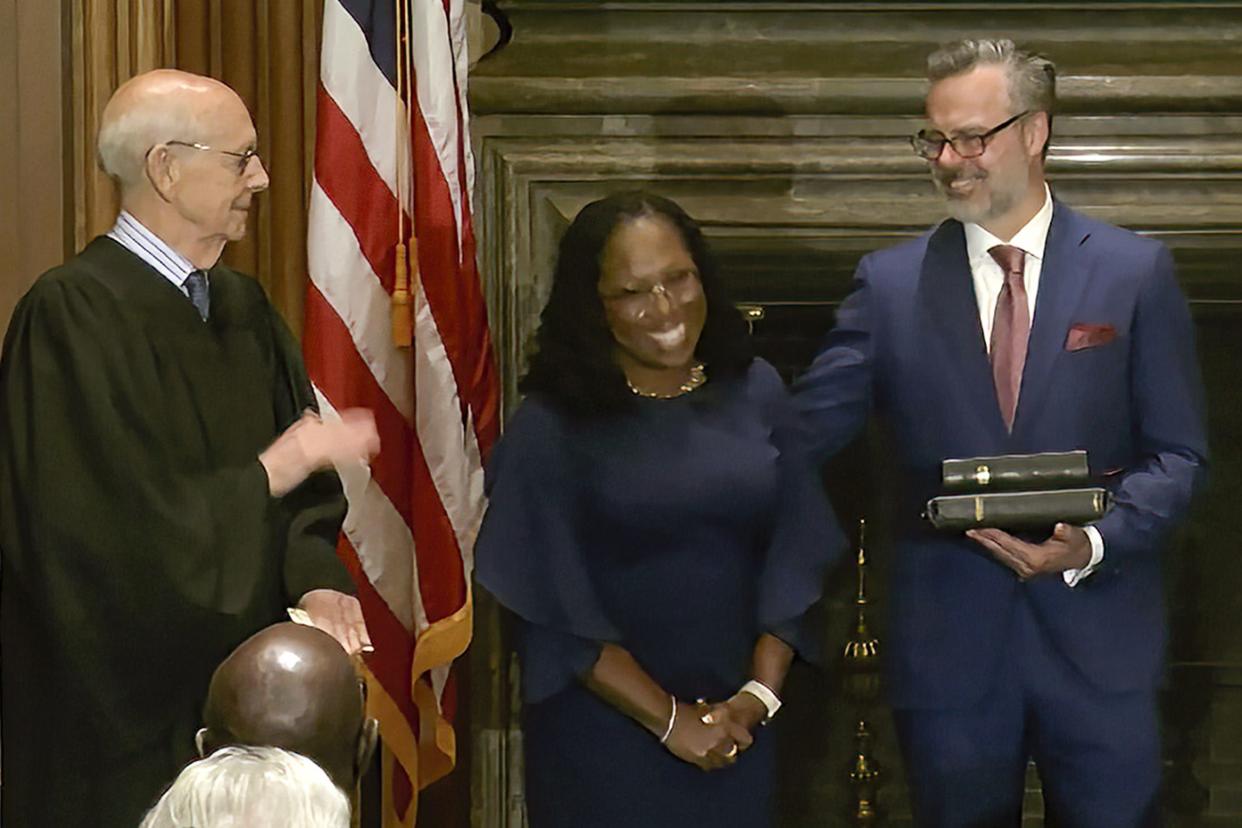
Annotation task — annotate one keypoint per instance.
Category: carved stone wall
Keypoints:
(781, 126)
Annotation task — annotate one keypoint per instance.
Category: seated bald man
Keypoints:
(291, 686)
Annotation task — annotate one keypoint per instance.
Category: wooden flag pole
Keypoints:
(402, 321)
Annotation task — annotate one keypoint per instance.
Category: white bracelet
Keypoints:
(764, 694)
(672, 720)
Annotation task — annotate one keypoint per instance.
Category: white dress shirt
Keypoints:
(134, 236)
(988, 280)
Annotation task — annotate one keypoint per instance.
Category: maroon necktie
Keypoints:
(1011, 326)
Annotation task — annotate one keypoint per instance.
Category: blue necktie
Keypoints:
(196, 284)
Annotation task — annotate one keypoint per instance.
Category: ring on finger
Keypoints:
(732, 752)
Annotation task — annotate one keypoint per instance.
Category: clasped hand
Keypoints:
(1067, 548)
(713, 736)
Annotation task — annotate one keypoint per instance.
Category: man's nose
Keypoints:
(949, 156)
(258, 180)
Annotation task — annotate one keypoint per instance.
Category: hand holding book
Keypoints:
(1067, 548)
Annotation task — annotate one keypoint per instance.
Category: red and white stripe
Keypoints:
(414, 513)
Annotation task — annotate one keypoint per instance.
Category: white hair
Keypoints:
(154, 108)
(241, 787)
(124, 141)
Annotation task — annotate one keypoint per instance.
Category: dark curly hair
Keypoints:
(573, 362)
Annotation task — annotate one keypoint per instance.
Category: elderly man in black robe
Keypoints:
(165, 483)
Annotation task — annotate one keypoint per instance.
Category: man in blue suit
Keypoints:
(1019, 326)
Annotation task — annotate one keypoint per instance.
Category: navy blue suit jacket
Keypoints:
(908, 346)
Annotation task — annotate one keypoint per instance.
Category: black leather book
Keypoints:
(1018, 510)
(1015, 472)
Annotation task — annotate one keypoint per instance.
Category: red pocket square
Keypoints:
(1084, 335)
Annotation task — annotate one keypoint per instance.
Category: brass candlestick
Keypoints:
(864, 778)
(862, 686)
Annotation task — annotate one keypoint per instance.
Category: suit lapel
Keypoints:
(947, 293)
(1062, 279)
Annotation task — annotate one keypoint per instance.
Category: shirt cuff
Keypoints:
(1075, 576)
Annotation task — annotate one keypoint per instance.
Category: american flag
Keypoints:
(414, 513)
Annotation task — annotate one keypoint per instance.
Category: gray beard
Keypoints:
(1001, 202)
(965, 212)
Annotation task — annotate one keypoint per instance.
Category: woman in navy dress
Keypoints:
(658, 532)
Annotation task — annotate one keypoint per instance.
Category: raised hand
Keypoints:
(312, 444)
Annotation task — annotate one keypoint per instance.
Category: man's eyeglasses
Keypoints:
(243, 158)
(928, 143)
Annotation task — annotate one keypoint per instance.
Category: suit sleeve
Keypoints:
(1166, 397)
(834, 395)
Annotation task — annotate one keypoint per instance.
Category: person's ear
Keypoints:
(200, 742)
(162, 169)
(368, 738)
(1036, 133)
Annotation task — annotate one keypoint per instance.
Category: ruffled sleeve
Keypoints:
(529, 556)
(805, 539)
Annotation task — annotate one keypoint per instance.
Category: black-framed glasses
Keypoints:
(243, 158)
(928, 143)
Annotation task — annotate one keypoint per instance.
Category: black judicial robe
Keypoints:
(139, 542)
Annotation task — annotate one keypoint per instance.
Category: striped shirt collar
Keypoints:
(137, 239)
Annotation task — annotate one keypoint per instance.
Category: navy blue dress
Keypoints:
(681, 531)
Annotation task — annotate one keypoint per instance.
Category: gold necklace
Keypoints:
(696, 378)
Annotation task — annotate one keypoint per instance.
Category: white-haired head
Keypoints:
(152, 108)
(249, 787)
(183, 149)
